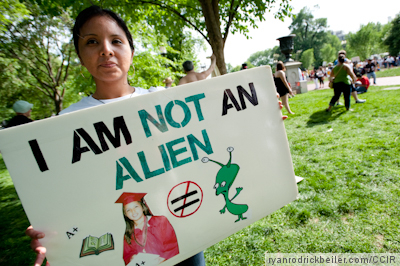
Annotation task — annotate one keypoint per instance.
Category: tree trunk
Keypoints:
(58, 101)
(211, 14)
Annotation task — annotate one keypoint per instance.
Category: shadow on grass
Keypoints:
(323, 117)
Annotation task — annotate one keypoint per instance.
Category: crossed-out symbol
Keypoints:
(185, 199)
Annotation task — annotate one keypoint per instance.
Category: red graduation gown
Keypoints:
(161, 240)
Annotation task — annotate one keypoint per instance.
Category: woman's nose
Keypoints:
(106, 49)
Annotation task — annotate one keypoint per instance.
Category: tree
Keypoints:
(262, 58)
(310, 33)
(393, 38)
(42, 52)
(331, 48)
(328, 53)
(212, 19)
(307, 58)
(365, 42)
(11, 11)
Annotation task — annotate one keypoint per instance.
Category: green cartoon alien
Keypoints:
(224, 180)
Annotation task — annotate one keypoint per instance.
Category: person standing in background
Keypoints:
(282, 86)
(191, 75)
(370, 70)
(23, 111)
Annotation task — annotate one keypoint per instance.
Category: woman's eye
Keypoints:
(223, 184)
(91, 41)
(117, 41)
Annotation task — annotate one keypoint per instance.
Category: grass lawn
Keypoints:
(385, 72)
(388, 72)
(349, 199)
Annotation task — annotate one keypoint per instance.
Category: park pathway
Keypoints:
(379, 82)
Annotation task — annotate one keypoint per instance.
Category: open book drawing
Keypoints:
(95, 245)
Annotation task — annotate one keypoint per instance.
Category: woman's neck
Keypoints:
(105, 90)
(140, 224)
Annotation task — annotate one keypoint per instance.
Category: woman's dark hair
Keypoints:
(130, 225)
(94, 11)
(280, 65)
(341, 58)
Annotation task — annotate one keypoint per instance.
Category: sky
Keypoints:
(344, 15)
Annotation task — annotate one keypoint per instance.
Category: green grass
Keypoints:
(388, 72)
(349, 199)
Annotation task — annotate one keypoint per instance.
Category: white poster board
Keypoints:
(69, 170)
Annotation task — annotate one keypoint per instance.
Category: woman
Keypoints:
(320, 75)
(144, 232)
(105, 47)
(282, 86)
(341, 84)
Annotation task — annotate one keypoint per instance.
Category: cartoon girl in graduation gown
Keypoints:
(144, 232)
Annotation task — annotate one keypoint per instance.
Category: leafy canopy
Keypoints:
(393, 38)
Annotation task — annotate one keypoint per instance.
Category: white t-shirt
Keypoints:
(89, 101)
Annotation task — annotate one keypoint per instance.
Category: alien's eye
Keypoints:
(229, 149)
(223, 184)
(216, 186)
(205, 159)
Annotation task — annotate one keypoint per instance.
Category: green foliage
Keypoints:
(41, 55)
(307, 58)
(212, 20)
(329, 50)
(393, 38)
(335, 42)
(365, 42)
(150, 70)
(328, 53)
(310, 33)
(262, 58)
(11, 11)
(49, 74)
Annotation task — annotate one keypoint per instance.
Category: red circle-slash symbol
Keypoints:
(185, 199)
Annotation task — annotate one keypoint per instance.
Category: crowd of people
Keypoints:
(347, 78)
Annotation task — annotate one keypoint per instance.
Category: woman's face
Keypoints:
(134, 211)
(104, 49)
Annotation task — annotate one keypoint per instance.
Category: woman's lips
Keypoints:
(108, 65)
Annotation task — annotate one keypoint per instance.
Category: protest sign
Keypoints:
(208, 158)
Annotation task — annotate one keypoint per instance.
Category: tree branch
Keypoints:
(177, 13)
(232, 14)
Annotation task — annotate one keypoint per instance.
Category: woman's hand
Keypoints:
(36, 246)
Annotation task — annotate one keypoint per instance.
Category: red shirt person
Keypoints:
(362, 83)
(144, 232)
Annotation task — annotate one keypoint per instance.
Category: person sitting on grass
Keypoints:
(362, 84)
